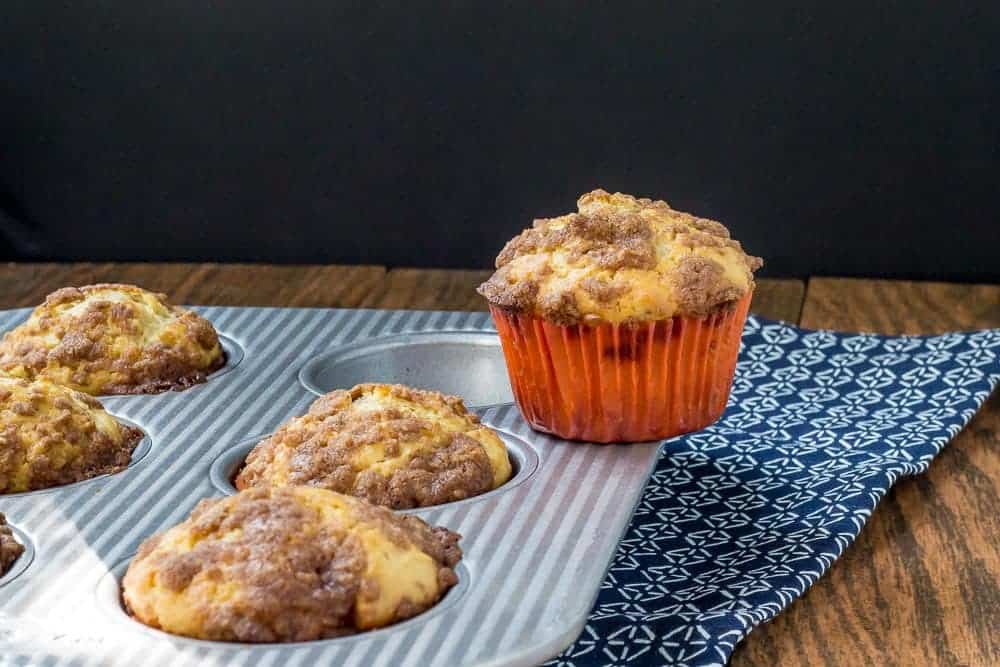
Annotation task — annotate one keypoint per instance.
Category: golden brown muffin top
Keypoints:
(289, 564)
(10, 548)
(52, 435)
(389, 444)
(620, 259)
(112, 339)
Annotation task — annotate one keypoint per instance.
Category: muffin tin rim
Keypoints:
(24, 561)
(234, 352)
(108, 592)
(526, 456)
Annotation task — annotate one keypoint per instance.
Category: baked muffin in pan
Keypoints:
(289, 564)
(10, 548)
(52, 435)
(389, 444)
(112, 339)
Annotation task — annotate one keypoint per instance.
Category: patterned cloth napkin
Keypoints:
(739, 519)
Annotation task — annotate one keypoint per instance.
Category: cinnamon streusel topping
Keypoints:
(112, 339)
(289, 564)
(620, 259)
(52, 435)
(390, 444)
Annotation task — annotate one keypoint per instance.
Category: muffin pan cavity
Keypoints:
(523, 463)
(23, 561)
(109, 599)
(234, 355)
(142, 449)
(469, 364)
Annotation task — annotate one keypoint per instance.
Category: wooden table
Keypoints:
(920, 586)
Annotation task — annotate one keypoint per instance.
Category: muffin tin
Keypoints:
(23, 561)
(536, 549)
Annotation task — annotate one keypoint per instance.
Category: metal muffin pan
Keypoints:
(536, 549)
(22, 563)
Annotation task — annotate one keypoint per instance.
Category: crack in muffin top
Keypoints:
(289, 564)
(390, 444)
(112, 339)
(52, 435)
(620, 259)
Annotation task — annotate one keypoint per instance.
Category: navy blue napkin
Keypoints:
(740, 519)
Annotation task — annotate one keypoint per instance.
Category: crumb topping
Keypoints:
(10, 548)
(112, 339)
(620, 259)
(52, 435)
(389, 444)
(289, 564)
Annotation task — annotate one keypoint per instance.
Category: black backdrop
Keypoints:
(843, 138)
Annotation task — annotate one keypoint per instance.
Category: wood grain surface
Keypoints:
(430, 289)
(921, 585)
(900, 307)
(202, 284)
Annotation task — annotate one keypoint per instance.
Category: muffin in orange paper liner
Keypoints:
(621, 322)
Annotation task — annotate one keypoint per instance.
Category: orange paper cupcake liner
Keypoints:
(622, 382)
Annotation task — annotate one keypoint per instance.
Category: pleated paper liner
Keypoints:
(622, 382)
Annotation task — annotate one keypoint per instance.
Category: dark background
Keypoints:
(843, 138)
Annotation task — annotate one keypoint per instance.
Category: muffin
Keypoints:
(621, 322)
(10, 548)
(52, 435)
(289, 564)
(112, 339)
(391, 445)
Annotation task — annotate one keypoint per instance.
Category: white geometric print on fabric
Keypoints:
(741, 518)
